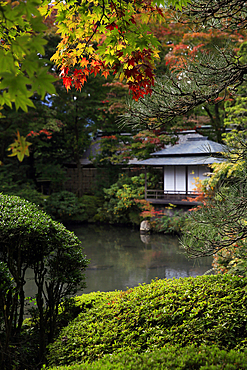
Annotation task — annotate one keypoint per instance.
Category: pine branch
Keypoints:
(203, 80)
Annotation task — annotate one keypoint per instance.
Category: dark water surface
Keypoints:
(121, 257)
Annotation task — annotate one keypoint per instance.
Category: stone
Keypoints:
(145, 227)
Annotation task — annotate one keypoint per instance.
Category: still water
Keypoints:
(121, 257)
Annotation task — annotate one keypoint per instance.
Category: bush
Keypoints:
(31, 194)
(170, 224)
(170, 358)
(63, 206)
(31, 239)
(90, 205)
(232, 260)
(122, 200)
(203, 310)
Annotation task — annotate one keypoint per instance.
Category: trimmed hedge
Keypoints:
(30, 239)
(170, 358)
(207, 310)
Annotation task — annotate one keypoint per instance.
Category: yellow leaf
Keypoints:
(19, 147)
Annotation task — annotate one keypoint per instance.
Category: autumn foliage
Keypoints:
(104, 37)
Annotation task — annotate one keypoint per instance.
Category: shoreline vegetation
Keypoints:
(125, 209)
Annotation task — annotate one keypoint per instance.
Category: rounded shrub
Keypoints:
(204, 310)
(169, 358)
(29, 238)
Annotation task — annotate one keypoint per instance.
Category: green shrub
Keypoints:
(90, 205)
(170, 358)
(29, 238)
(203, 310)
(232, 260)
(170, 224)
(31, 194)
(25, 191)
(63, 206)
(122, 200)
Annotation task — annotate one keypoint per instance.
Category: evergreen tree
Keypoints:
(204, 75)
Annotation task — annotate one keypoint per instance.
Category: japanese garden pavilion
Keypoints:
(180, 165)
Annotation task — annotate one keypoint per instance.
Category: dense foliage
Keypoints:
(22, 71)
(29, 239)
(62, 205)
(203, 310)
(169, 223)
(122, 199)
(169, 358)
(107, 36)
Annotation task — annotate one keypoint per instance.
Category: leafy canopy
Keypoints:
(107, 35)
(21, 42)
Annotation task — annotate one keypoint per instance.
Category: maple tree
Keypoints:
(59, 130)
(22, 72)
(104, 36)
(19, 147)
(95, 38)
(120, 148)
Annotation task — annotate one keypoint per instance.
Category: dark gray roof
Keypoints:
(192, 150)
(180, 161)
(192, 146)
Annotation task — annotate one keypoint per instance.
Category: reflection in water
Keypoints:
(121, 257)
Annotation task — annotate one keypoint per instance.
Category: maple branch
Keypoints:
(96, 26)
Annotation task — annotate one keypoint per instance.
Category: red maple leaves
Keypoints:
(111, 26)
(35, 133)
(78, 77)
(139, 74)
(137, 70)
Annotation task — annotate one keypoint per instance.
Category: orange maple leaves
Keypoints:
(35, 133)
(79, 76)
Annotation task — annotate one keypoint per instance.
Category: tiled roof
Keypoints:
(190, 160)
(192, 146)
(193, 149)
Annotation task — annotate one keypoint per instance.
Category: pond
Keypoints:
(121, 257)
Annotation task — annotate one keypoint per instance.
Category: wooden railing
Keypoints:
(169, 195)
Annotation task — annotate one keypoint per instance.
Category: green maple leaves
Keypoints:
(22, 72)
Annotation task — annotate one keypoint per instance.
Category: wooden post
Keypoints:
(145, 182)
(186, 178)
